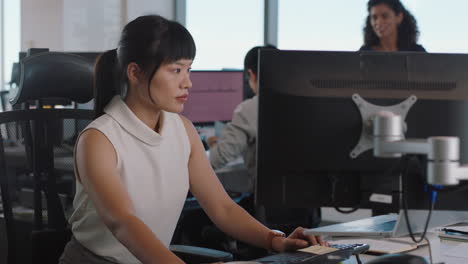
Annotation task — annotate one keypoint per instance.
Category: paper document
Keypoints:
(318, 250)
(458, 232)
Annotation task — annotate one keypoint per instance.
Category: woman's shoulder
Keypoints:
(102, 121)
(176, 120)
(247, 106)
(99, 128)
(104, 125)
(185, 121)
(191, 133)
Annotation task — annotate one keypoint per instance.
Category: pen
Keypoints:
(454, 231)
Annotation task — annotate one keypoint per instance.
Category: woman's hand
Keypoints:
(297, 240)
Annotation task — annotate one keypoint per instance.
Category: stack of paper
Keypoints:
(457, 232)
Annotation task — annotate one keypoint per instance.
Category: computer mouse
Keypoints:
(398, 259)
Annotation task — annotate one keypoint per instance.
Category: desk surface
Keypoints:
(234, 176)
(423, 251)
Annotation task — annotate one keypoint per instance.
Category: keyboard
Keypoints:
(344, 252)
(357, 248)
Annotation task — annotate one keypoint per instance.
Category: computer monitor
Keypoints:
(308, 125)
(214, 95)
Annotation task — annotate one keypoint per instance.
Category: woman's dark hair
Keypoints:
(251, 58)
(251, 63)
(149, 41)
(408, 32)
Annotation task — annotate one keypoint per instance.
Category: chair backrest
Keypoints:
(36, 161)
(63, 77)
(15, 74)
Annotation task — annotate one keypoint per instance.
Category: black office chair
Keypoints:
(35, 155)
(14, 82)
(42, 156)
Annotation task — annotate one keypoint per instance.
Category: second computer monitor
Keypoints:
(308, 125)
(214, 95)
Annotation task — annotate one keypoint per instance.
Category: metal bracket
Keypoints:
(368, 111)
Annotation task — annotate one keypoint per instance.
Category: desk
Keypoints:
(234, 176)
(423, 251)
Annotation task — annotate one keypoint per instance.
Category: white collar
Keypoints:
(120, 112)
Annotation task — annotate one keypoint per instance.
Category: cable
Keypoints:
(352, 210)
(450, 189)
(334, 181)
(358, 260)
(432, 200)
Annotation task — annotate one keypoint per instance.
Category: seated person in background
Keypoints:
(138, 159)
(239, 138)
(390, 27)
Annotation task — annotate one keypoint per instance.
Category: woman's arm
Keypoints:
(222, 210)
(97, 171)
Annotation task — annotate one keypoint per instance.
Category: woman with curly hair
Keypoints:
(390, 27)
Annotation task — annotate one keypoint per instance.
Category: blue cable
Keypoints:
(433, 191)
(433, 196)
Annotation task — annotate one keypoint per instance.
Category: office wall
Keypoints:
(165, 8)
(91, 25)
(41, 24)
(85, 25)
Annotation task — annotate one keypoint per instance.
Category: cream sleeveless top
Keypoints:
(153, 168)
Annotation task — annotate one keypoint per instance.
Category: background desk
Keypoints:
(235, 178)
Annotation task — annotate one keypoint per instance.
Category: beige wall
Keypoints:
(165, 8)
(41, 24)
(57, 24)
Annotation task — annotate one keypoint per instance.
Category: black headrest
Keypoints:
(54, 76)
(15, 74)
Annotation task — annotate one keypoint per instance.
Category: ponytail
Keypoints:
(106, 83)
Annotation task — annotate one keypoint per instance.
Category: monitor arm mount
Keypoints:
(383, 130)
